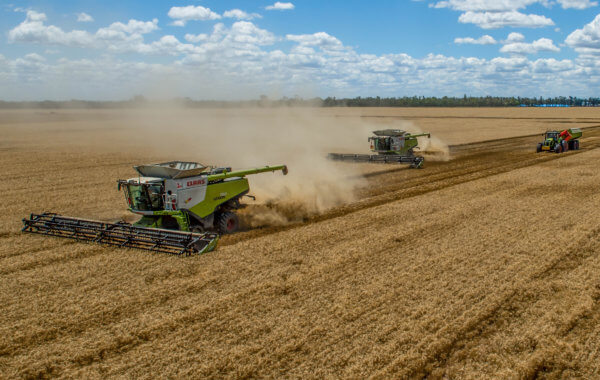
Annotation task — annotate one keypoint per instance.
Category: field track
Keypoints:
(483, 266)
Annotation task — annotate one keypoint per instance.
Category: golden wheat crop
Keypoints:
(483, 266)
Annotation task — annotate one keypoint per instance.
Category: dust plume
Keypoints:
(244, 138)
(432, 148)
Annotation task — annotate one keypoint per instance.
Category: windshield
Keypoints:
(144, 197)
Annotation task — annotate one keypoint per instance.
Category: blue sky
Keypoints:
(216, 49)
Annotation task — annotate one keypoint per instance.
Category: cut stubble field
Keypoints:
(485, 265)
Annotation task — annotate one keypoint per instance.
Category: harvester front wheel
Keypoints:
(558, 148)
(227, 223)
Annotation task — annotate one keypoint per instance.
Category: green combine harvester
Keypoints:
(393, 146)
(558, 142)
(185, 206)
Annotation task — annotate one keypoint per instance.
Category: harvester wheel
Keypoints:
(227, 223)
(558, 148)
(565, 146)
(576, 144)
(539, 148)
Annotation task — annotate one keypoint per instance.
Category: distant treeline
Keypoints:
(264, 101)
(465, 101)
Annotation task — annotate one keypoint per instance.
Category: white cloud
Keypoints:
(320, 39)
(495, 20)
(197, 13)
(587, 39)
(515, 37)
(523, 48)
(577, 4)
(240, 15)
(196, 37)
(483, 40)
(485, 5)
(238, 61)
(84, 17)
(493, 14)
(34, 30)
(117, 37)
(134, 27)
(279, 6)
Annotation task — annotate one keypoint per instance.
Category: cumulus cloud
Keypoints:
(587, 39)
(485, 5)
(483, 40)
(515, 37)
(182, 15)
(495, 20)
(117, 36)
(240, 15)
(523, 48)
(320, 39)
(279, 6)
(84, 17)
(577, 4)
(34, 30)
(493, 14)
(196, 37)
(240, 61)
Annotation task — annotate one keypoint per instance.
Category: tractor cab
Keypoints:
(143, 194)
(550, 138)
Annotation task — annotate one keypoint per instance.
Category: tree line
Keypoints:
(139, 101)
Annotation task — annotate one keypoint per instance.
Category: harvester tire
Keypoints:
(576, 144)
(227, 223)
(565, 146)
(539, 148)
(558, 148)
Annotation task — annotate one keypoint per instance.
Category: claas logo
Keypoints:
(195, 182)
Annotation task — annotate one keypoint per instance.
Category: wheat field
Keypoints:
(483, 265)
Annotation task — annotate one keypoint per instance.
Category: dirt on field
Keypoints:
(484, 264)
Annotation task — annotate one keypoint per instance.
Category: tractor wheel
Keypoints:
(539, 148)
(227, 223)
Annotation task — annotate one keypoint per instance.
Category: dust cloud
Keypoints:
(245, 138)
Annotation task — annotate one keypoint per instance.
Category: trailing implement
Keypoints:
(558, 142)
(393, 146)
(185, 206)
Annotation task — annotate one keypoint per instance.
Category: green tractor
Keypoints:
(558, 142)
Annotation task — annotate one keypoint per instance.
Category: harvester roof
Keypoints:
(389, 132)
(171, 169)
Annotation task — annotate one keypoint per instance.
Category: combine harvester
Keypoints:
(393, 146)
(558, 142)
(184, 207)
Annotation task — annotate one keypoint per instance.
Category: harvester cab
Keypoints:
(188, 196)
(393, 146)
(395, 141)
(558, 142)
